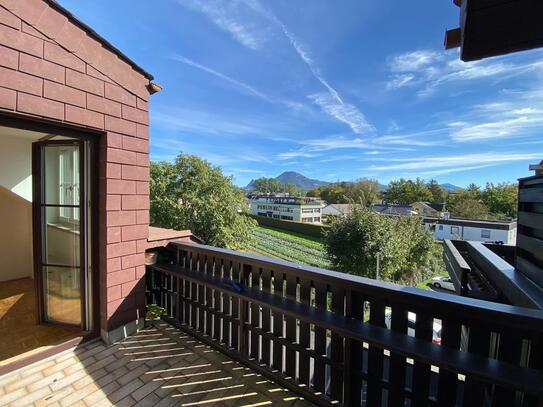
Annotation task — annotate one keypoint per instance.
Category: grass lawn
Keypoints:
(288, 246)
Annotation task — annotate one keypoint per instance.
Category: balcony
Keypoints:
(336, 338)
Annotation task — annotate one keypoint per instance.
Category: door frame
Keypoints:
(96, 138)
(38, 183)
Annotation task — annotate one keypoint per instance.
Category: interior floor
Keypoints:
(20, 335)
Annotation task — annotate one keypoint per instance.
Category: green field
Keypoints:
(288, 246)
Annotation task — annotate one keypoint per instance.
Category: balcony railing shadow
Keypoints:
(333, 337)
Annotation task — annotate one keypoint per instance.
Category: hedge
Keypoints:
(309, 229)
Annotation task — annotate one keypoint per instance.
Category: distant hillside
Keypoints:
(292, 177)
(450, 187)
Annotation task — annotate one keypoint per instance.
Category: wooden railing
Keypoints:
(334, 337)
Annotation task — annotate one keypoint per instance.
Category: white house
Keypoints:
(296, 209)
(477, 230)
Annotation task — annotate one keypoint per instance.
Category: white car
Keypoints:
(412, 321)
(443, 282)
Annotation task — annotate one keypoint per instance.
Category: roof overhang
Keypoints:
(496, 27)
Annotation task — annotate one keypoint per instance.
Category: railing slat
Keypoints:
(208, 297)
(319, 375)
(278, 324)
(217, 302)
(305, 335)
(475, 391)
(290, 327)
(451, 333)
(255, 316)
(421, 370)
(398, 365)
(236, 304)
(510, 346)
(354, 353)
(336, 346)
(226, 306)
(375, 356)
(266, 319)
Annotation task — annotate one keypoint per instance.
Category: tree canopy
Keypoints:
(273, 186)
(495, 201)
(407, 192)
(364, 191)
(405, 250)
(193, 194)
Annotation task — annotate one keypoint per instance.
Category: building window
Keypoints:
(440, 227)
(286, 217)
(485, 234)
(455, 230)
(316, 219)
(69, 184)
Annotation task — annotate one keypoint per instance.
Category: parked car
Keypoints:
(443, 282)
(411, 322)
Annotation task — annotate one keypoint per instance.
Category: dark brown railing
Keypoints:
(334, 337)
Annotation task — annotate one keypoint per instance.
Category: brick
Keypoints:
(103, 105)
(58, 55)
(8, 99)
(114, 235)
(135, 115)
(121, 126)
(26, 28)
(142, 159)
(42, 68)
(90, 50)
(140, 271)
(84, 82)
(97, 74)
(121, 156)
(51, 22)
(120, 249)
(115, 140)
(28, 10)
(20, 81)
(142, 104)
(21, 41)
(9, 19)
(133, 172)
(61, 93)
(113, 264)
(9, 58)
(132, 261)
(142, 217)
(113, 171)
(39, 106)
(118, 94)
(71, 37)
(134, 232)
(121, 218)
(142, 131)
(135, 144)
(130, 202)
(83, 116)
(141, 245)
(120, 277)
(113, 203)
(115, 186)
(142, 187)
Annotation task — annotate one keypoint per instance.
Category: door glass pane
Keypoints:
(62, 238)
(61, 177)
(62, 294)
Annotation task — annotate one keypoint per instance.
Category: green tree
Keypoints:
(439, 194)
(406, 192)
(274, 186)
(193, 194)
(364, 191)
(468, 208)
(405, 250)
(501, 199)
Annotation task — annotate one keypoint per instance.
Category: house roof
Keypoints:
(98, 37)
(487, 224)
(392, 209)
(440, 207)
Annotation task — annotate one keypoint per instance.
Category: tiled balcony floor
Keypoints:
(156, 367)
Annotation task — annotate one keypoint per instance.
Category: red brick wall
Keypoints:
(52, 68)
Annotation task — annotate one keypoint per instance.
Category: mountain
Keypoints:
(450, 187)
(295, 178)
(300, 180)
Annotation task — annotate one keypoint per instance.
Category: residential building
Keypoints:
(236, 328)
(504, 232)
(435, 210)
(289, 208)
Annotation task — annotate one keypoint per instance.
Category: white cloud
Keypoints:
(414, 60)
(240, 85)
(344, 112)
(453, 163)
(230, 17)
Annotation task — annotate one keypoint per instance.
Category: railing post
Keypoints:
(244, 313)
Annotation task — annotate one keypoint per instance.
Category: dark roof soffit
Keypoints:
(97, 36)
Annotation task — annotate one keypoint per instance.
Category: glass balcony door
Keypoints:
(60, 212)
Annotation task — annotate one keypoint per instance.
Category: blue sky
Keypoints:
(336, 90)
